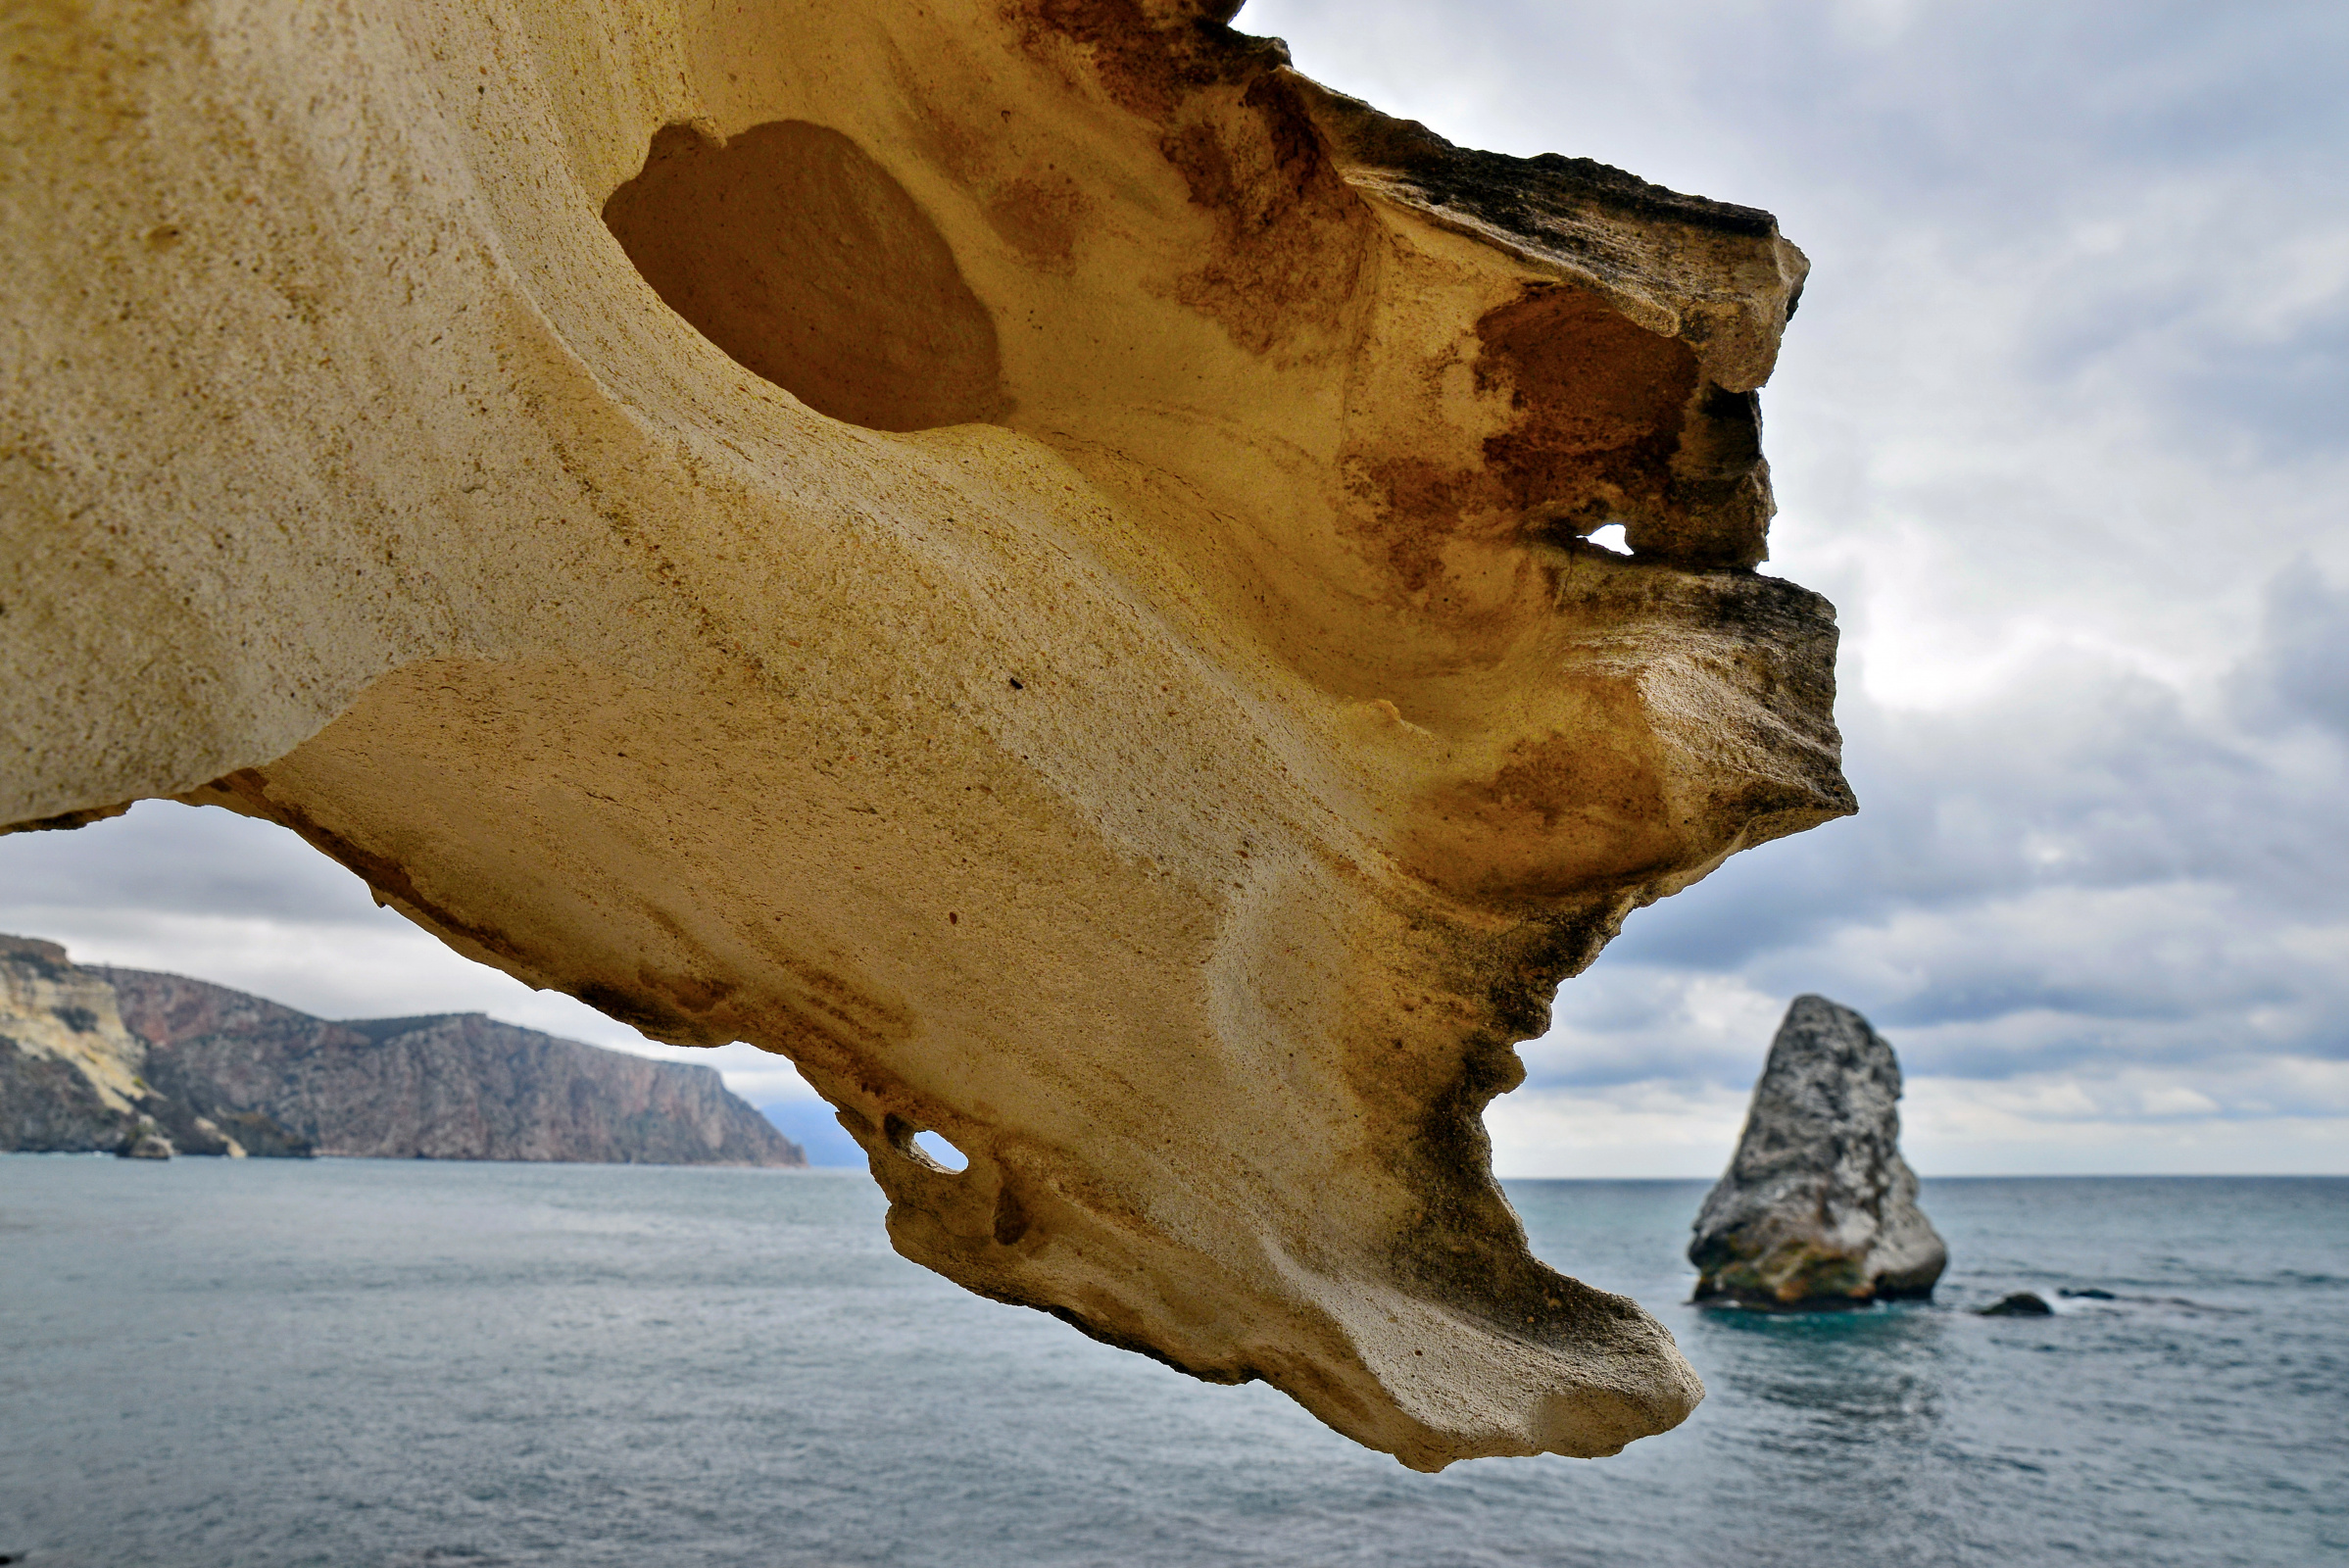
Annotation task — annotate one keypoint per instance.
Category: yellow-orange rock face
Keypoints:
(1024, 556)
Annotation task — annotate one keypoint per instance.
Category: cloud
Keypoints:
(2299, 676)
(1626, 1133)
(2051, 1125)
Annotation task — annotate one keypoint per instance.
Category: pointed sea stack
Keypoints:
(1818, 1211)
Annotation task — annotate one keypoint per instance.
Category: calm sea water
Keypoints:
(348, 1363)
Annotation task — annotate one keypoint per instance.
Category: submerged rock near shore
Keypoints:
(149, 1065)
(1818, 1209)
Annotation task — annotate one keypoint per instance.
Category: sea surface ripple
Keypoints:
(348, 1363)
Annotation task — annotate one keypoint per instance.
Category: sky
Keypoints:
(2063, 429)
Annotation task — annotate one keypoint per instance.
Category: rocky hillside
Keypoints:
(97, 1058)
(69, 1071)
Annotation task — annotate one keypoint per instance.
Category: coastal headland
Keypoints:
(103, 1060)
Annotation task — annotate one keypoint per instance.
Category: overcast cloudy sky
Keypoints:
(2063, 428)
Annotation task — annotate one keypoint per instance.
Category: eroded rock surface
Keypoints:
(1024, 556)
(1819, 1209)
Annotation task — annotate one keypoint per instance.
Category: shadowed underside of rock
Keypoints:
(1818, 1208)
(1026, 557)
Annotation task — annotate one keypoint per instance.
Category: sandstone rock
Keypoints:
(1818, 1209)
(1024, 556)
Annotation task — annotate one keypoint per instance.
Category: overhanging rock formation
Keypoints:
(1025, 557)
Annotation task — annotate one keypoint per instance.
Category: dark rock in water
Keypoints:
(2091, 1294)
(148, 1145)
(2023, 1304)
(1818, 1209)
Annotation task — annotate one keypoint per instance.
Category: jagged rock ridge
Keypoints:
(1818, 1208)
(214, 1071)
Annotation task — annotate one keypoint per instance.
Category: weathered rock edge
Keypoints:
(1818, 1209)
(1027, 559)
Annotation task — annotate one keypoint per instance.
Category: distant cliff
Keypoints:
(91, 1059)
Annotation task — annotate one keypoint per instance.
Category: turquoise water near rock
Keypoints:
(348, 1363)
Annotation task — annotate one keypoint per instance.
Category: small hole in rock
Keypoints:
(1610, 537)
(939, 1149)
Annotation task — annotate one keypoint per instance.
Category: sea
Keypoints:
(343, 1363)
